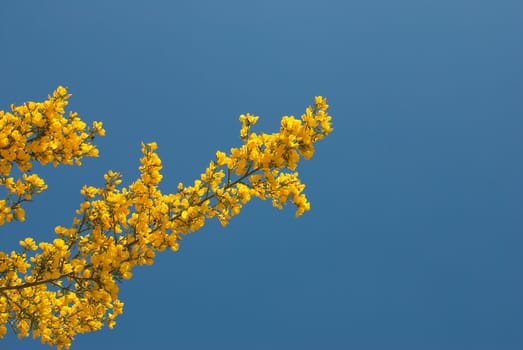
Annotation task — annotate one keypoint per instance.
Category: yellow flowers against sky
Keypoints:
(55, 290)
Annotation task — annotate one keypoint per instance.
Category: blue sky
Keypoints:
(415, 236)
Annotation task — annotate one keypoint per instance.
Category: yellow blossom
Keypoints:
(56, 290)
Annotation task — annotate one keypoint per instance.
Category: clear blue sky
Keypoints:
(415, 236)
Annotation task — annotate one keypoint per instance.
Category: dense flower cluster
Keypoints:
(58, 289)
(39, 132)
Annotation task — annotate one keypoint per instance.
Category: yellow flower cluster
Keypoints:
(58, 289)
(39, 132)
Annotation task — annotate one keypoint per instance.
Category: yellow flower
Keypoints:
(29, 243)
(58, 289)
